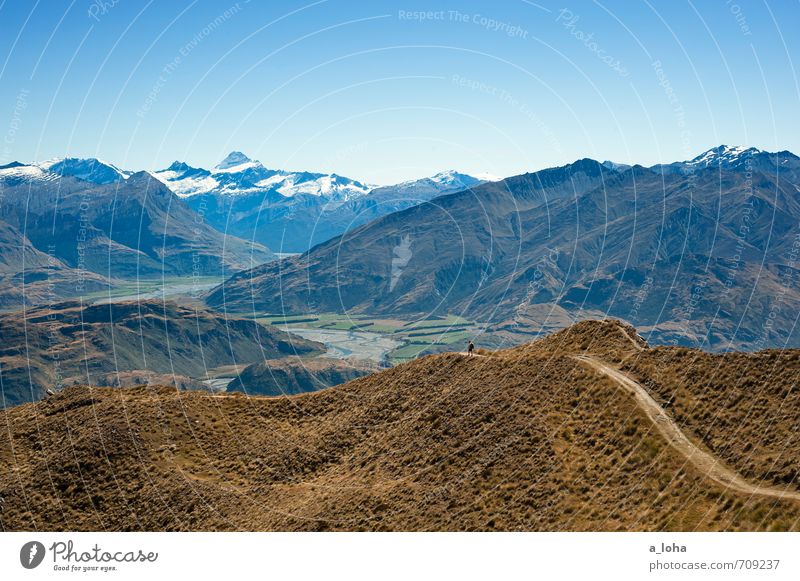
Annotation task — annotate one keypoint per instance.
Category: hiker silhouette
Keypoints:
(470, 348)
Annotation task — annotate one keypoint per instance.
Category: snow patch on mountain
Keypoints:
(331, 186)
(17, 173)
(238, 175)
(185, 186)
(236, 162)
(724, 155)
(89, 170)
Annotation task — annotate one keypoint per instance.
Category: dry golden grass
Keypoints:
(523, 439)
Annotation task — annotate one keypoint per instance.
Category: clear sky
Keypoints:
(381, 92)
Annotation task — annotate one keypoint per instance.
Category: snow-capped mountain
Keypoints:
(90, 170)
(16, 173)
(337, 219)
(725, 156)
(236, 161)
(289, 211)
(453, 179)
(239, 175)
(613, 165)
(186, 180)
(729, 157)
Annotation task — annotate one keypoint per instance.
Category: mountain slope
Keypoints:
(701, 257)
(449, 246)
(67, 343)
(134, 227)
(30, 276)
(523, 439)
(707, 464)
(294, 375)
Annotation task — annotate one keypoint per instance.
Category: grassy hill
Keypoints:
(531, 438)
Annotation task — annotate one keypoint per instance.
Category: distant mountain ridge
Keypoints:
(237, 174)
(701, 255)
(725, 157)
(75, 226)
(293, 211)
(86, 169)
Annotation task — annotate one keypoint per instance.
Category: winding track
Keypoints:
(706, 463)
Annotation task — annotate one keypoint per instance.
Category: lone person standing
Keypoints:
(470, 348)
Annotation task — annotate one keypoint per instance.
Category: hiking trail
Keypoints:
(706, 463)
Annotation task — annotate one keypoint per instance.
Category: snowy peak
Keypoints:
(179, 166)
(614, 166)
(725, 156)
(12, 165)
(455, 179)
(450, 180)
(233, 160)
(87, 169)
(239, 175)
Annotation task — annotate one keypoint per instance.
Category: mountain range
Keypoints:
(293, 375)
(700, 253)
(293, 211)
(74, 226)
(71, 226)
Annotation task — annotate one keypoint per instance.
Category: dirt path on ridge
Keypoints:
(706, 463)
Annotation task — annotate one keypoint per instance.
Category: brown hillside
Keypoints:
(531, 438)
(290, 376)
(116, 343)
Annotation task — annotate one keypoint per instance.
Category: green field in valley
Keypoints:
(448, 333)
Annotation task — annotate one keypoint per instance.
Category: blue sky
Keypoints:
(378, 91)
